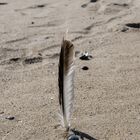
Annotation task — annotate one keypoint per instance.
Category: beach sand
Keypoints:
(107, 95)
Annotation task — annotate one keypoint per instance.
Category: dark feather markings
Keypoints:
(65, 64)
(65, 51)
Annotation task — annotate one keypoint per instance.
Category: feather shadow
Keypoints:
(82, 135)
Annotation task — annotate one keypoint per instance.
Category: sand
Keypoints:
(107, 95)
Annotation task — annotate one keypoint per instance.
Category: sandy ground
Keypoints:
(107, 96)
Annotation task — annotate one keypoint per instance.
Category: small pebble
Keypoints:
(85, 68)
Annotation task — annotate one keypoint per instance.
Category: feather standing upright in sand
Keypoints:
(66, 82)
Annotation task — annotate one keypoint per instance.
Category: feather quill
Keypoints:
(66, 82)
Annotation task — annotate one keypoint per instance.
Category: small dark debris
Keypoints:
(93, 0)
(3, 3)
(84, 5)
(40, 54)
(124, 4)
(56, 126)
(90, 26)
(37, 6)
(85, 56)
(10, 118)
(125, 29)
(11, 61)
(2, 112)
(47, 37)
(33, 60)
(133, 25)
(14, 59)
(41, 6)
(32, 22)
(85, 68)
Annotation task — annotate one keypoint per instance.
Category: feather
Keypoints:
(66, 82)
